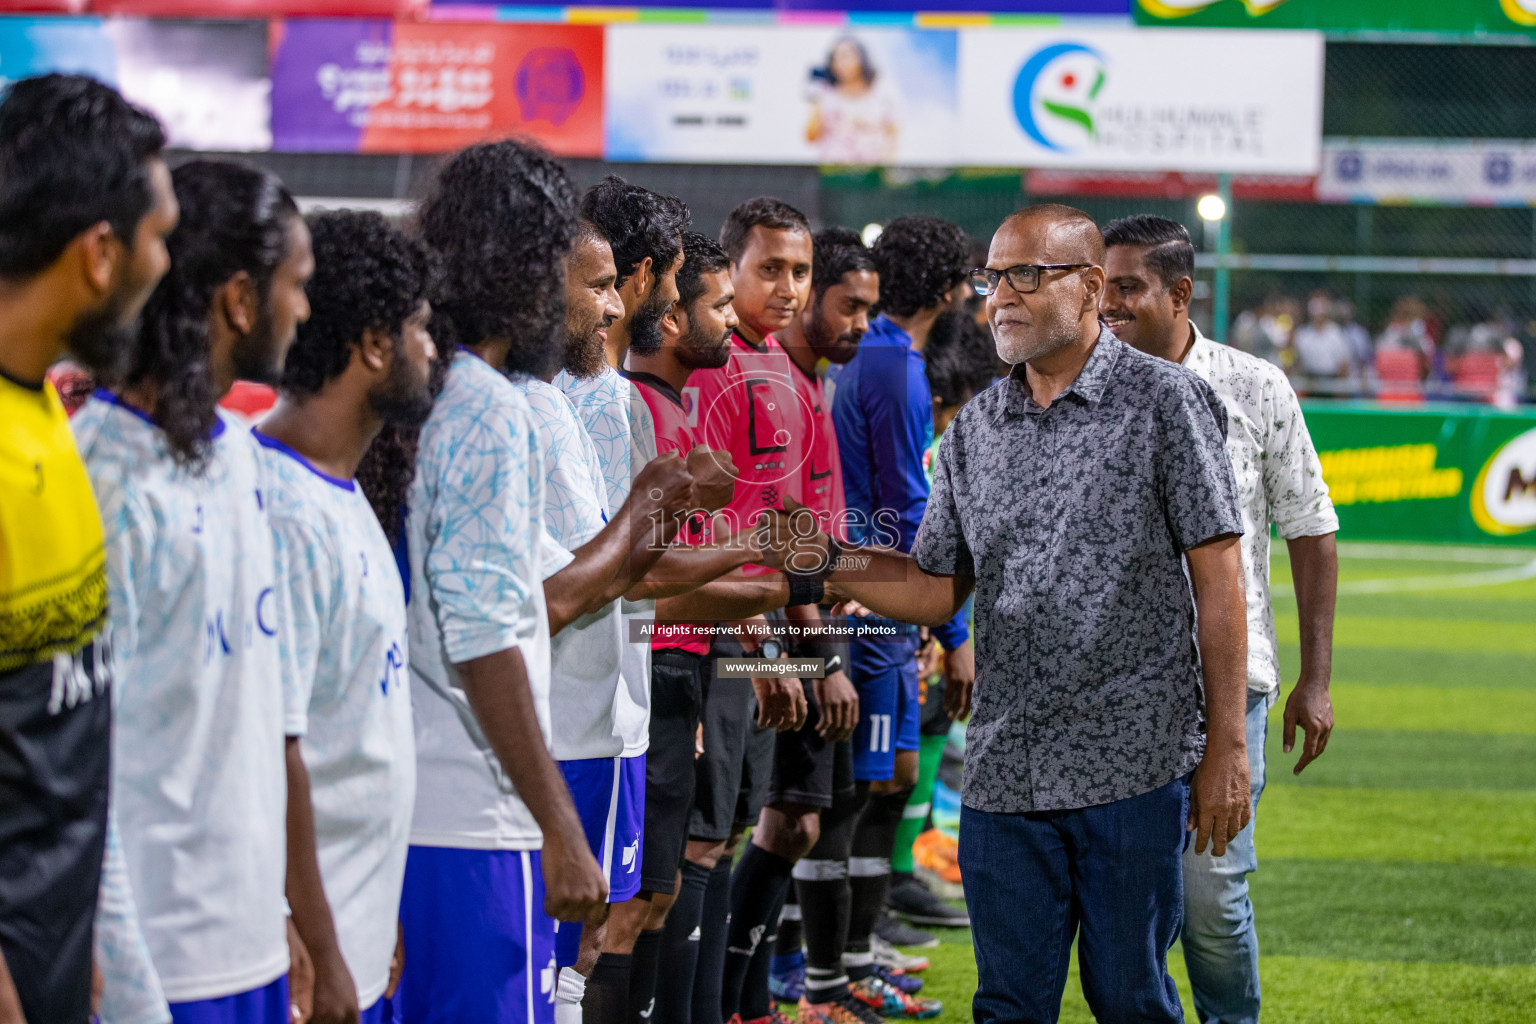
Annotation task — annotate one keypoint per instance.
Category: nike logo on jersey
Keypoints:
(645, 1014)
(632, 856)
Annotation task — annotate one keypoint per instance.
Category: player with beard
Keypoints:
(696, 336)
(641, 230)
(752, 407)
(845, 286)
(194, 615)
(490, 587)
(85, 205)
(362, 360)
(615, 824)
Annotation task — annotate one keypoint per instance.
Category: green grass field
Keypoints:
(1397, 876)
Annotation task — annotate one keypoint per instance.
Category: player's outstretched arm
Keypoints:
(605, 568)
(499, 696)
(335, 994)
(729, 598)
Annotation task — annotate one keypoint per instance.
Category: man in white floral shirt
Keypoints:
(1150, 265)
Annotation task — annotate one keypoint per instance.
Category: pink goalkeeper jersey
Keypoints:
(821, 486)
(676, 416)
(751, 408)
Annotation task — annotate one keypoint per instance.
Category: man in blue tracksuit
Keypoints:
(883, 411)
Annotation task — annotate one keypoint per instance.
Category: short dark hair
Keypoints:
(72, 153)
(919, 259)
(701, 255)
(368, 274)
(233, 219)
(835, 252)
(501, 218)
(1170, 253)
(637, 222)
(762, 212)
(960, 358)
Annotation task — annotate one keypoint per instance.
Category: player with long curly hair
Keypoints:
(361, 361)
(194, 619)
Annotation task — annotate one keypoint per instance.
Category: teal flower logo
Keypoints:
(1055, 94)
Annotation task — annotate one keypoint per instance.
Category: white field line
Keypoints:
(1447, 581)
(1436, 553)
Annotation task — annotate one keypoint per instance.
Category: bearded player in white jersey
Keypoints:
(198, 780)
(361, 361)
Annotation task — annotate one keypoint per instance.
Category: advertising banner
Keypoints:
(1429, 474)
(206, 80)
(394, 87)
(1343, 15)
(1242, 102)
(790, 95)
(1447, 173)
(1284, 188)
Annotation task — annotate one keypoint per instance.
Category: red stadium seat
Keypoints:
(1400, 375)
(1476, 375)
(249, 400)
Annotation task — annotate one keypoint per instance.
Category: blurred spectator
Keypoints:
(1362, 353)
(1322, 350)
(1527, 340)
(1263, 332)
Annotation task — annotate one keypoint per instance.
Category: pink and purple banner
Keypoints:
(369, 86)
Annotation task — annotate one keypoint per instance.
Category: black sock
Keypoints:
(712, 928)
(642, 977)
(791, 934)
(756, 1000)
(607, 998)
(757, 893)
(679, 955)
(869, 875)
(821, 879)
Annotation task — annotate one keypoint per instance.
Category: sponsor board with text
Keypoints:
(1429, 474)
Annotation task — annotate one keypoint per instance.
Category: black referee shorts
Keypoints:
(679, 681)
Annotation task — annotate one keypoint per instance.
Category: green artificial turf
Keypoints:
(1397, 878)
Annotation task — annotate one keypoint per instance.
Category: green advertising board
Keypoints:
(1343, 15)
(1435, 473)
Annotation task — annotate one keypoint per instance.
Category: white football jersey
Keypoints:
(479, 554)
(199, 784)
(624, 433)
(344, 664)
(584, 661)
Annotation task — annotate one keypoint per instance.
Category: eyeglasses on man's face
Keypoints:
(1024, 278)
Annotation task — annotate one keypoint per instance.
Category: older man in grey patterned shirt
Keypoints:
(1151, 264)
(1072, 497)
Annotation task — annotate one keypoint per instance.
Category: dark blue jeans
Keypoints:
(1113, 872)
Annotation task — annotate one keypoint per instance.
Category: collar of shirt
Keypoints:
(1089, 385)
(884, 331)
(1198, 358)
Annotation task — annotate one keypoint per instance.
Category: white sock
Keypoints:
(568, 992)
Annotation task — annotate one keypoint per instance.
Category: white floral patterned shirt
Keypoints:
(1279, 479)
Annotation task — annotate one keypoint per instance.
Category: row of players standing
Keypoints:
(284, 718)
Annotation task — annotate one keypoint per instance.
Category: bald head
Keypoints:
(1070, 234)
(1061, 309)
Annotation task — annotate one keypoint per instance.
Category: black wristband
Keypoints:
(805, 590)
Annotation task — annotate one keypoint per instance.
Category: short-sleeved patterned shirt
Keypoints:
(1279, 479)
(1074, 520)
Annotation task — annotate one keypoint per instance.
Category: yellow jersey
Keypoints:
(53, 578)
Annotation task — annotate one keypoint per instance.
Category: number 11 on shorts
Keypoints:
(880, 733)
